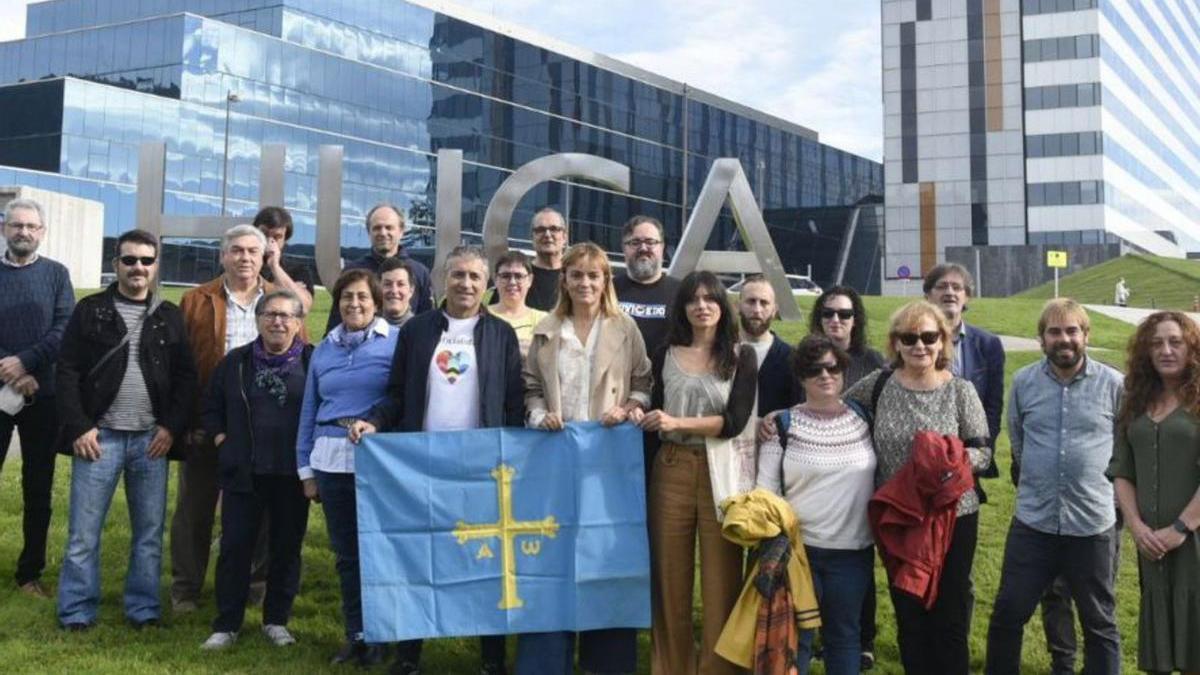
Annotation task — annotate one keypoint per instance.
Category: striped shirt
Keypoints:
(131, 410)
(240, 325)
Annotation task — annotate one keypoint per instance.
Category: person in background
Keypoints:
(920, 393)
(347, 377)
(252, 413)
(645, 291)
(125, 386)
(1122, 292)
(587, 361)
(514, 275)
(1156, 473)
(37, 298)
(276, 225)
(777, 386)
(704, 387)
(825, 468)
(549, 233)
(385, 226)
(396, 280)
(1060, 419)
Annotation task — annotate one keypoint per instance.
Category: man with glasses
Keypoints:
(549, 230)
(36, 298)
(645, 291)
(125, 389)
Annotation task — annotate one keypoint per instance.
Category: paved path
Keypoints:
(1012, 343)
(1131, 315)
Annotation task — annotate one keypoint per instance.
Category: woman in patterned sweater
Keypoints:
(825, 468)
(923, 395)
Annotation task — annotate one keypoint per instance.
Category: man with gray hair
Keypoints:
(548, 230)
(219, 316)
(37, 298)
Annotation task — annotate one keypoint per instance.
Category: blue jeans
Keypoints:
(341, 520)
(841, 579)
(92, 488)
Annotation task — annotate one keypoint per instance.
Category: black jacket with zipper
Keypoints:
(228, 409)
(95, 328)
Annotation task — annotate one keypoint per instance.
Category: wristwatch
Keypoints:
(1181, 527)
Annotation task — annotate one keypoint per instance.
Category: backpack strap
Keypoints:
(877, 390)
(783, 421)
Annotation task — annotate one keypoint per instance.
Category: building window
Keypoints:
(1062, 96)
(1069, 193)
(1062, 48)
(1053, 6)
(1062, 145)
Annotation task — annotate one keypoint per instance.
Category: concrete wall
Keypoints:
(1005, 270)
(74, 231)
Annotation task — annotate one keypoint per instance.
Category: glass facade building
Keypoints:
(392, 83)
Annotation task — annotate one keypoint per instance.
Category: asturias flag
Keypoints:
(500, 531)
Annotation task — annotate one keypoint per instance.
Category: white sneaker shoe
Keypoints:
(219, 641)
(279, 636)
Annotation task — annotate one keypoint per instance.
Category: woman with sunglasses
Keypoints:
(921, 394)
(825, 469)
(838, 314)
(514, 277)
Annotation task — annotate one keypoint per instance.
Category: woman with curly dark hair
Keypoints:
(1156, 473)
(838, 314)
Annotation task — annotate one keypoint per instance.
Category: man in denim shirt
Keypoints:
(1060, 420)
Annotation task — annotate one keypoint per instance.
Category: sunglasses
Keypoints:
(817, 369)
(929, 337)
(131, 260)
(843, 314)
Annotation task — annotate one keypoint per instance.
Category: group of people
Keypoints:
(872, 453)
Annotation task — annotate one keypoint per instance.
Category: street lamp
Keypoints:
(230, 99)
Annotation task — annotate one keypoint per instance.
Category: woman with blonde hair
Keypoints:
(919, 393)
(1156, 473)
(586, 362)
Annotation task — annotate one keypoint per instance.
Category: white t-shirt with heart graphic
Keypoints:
(452, 389)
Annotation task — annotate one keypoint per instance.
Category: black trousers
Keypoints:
(491, 650)
(1058, 617)
(282, 499)
(934, 641)
(37, 426)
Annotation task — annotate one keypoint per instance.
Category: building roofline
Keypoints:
(609, 63)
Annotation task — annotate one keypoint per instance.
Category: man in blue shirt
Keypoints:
(1060, 419)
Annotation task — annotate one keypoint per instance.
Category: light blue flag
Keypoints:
(501, 531)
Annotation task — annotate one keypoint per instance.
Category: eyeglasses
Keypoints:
(509, 277)
(639, 243)
(131, 260)
(817, 369)
(277, 316)
(843, 314)
(551, 229)
(28, 227)
(929, 337)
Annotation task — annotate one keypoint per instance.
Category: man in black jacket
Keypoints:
(457, 368)
(756, 309)
(125, 384)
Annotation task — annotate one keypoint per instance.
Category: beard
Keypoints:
(22, 248)
(755, 327)
(643, 268)
(1065, 357)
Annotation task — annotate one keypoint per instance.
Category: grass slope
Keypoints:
(31, 642)
(1165, 283)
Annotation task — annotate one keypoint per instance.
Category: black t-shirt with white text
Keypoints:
(649, 305)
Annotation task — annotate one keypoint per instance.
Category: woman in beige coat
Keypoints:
(587, 361)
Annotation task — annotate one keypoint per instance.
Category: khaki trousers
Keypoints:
(681, 506)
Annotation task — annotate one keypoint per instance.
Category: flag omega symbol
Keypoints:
(507, 529)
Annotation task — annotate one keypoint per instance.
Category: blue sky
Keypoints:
(814, 62)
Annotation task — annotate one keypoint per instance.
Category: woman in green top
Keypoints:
(1156, 472)
(514, 277)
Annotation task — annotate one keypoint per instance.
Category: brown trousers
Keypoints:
(681, 505)
(192, 527)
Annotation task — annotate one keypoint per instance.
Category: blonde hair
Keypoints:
(608, 295)
(1063, 308)
(907, 318)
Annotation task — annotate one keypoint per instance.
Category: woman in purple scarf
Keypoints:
(252, 412)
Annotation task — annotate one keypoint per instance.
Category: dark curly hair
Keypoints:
(1143, 384)
(858, 334)
(810, 350)
(353, 276)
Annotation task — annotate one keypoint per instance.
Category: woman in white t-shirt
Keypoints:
(825, 468)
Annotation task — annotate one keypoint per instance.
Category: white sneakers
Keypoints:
(277, 635)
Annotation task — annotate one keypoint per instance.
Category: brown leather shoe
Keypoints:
(35, 589)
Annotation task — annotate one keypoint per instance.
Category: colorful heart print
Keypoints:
(452, 364)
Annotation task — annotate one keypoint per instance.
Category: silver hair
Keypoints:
(386, 205)
(24, 203)
(277, 294)
(239, 231)
(468, 252)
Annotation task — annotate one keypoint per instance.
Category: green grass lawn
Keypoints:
(30, 641)
(1163, 283)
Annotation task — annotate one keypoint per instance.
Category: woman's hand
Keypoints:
(1170, 538)
(657, 420)
(359, 429)
(310, 490)
(768, 430)
(552, 422)
(1147, 541)
(636, 414)
(614, 416)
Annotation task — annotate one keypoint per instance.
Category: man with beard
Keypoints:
(1061, 417)
(36, 298)
(645, 292)
(385, 225)
(756, 309)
